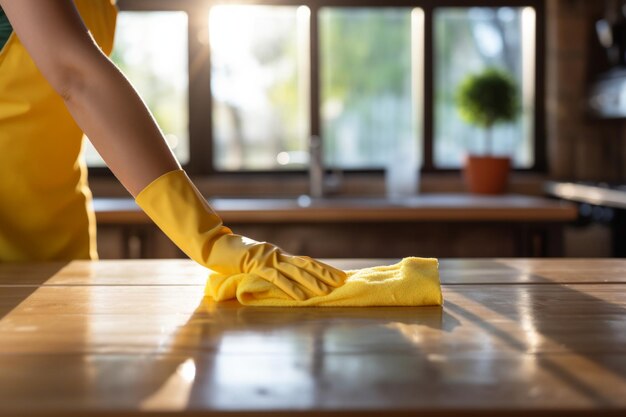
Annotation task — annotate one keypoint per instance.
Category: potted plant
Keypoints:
(485, 100)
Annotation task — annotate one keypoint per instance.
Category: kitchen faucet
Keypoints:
(320, 184)
(316, 167)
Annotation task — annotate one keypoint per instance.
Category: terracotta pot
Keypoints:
(487, 174)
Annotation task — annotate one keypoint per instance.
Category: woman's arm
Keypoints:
(99, 97)
(121, 128)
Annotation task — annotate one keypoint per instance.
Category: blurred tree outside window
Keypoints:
(260, 86)
(151, 50)
(367, 107)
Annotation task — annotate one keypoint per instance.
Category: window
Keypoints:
(151, 50)
(259, 81)
(375, 80)
(367, 77)
(468, 40)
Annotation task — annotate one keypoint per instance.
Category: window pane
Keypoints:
(151, 50)
(368, 97)
(260, 86)
(467, 41)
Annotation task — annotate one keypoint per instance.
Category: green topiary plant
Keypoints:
(488, 98)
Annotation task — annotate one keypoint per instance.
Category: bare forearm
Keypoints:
(119, 125)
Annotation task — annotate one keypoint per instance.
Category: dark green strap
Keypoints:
(5, 29)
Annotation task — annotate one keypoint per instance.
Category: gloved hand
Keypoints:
(180, 211)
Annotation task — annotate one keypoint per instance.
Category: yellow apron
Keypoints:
(45, 204)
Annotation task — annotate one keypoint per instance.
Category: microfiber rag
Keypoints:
(410, 282)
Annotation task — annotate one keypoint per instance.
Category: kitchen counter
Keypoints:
(437, 225)
(515, 337)
(423, 207)
(599, 203)
(605, 195)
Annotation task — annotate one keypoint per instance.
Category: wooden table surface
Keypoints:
(515, 337)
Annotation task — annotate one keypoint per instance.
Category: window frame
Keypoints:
(199, 67)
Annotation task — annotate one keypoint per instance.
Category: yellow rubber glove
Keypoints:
(180, 211)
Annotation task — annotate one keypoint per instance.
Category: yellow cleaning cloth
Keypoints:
(410, 282)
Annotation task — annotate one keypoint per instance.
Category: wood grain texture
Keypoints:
(179, 272)
(123, 338)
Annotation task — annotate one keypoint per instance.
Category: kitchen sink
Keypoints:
(305, 201)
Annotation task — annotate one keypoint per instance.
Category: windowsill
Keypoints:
(366, 184)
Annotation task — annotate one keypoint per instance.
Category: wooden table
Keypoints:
(515, 337)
